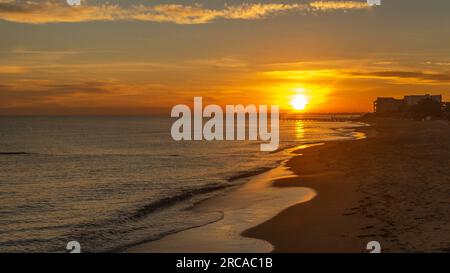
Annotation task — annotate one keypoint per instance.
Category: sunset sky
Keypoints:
(141, 57)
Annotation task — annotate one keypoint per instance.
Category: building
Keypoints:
(387, 105)
(392, 105)
(415, 99)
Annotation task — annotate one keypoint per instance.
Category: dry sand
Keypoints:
(393, 188)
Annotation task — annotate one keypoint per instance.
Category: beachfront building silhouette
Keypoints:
(389, 105)
(415, 99)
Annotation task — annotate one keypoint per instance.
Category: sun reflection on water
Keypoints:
(299, 129)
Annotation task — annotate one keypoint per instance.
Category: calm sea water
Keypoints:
(111, 182)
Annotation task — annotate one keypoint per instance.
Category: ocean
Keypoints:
(113, 182)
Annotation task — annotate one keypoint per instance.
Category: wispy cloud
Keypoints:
(226, 62)
(338, 5)
(21, 50)
(63, 67)
(52, 11)
(12, 69)
(412, 75)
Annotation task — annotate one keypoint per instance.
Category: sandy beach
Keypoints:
(392, 187)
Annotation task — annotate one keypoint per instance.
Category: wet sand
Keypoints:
(249, 205)
(393, 187)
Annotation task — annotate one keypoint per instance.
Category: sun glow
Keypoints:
(299, 102)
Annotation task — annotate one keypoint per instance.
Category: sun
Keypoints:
(299, 102)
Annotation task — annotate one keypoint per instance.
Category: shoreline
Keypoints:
(248, 205)
(307, 234)
(233, 205)
(310, 234)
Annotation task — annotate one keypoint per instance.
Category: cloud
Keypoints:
(12, 69)
(38, 65)
(21, 50)
(226, 62)
(338, 5)
(107, 67)
(20, 96)
(421, 76)
(52, 11)
(39, 12)
(80, 88)
(30, 92)
(51, 88)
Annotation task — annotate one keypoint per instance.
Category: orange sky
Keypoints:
(141, 58)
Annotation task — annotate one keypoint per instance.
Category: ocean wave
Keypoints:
(171, 200)
(15, 153)
(250, 173)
